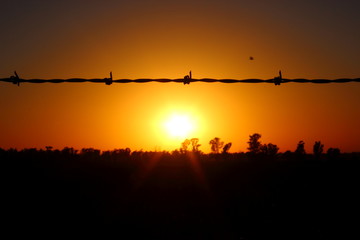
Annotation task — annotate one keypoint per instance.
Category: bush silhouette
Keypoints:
(333, 153)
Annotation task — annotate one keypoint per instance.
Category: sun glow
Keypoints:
(179, 126)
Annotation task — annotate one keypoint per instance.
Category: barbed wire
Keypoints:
(186, 80)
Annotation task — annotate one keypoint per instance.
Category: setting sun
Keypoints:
(179, 126)
(180, 119)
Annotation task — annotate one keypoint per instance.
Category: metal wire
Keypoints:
(108, 81)
(165, 80)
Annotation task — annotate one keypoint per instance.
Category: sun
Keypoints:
(179, 126)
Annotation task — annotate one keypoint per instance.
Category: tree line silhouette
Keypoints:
(255, 149)
(183, 194)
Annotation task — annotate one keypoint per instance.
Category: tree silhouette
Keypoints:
(227, 147)
(318, 149)
(254, 143)
(300, 150)
(184, 145)
(216, 145)
(269, 149)
(195, 144)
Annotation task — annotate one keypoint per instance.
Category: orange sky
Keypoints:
(166, 39)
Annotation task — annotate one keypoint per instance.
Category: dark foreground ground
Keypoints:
(163, 196)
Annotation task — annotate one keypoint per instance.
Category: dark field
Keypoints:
(179, 196)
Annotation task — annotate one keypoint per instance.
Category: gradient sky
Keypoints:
(165, 39)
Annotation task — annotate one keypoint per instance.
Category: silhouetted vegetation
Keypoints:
(227, 147)
(185, 145)
(333, 153)
(195, 144)
(300, 150)
(261, 151)
(269, 149)
(216, 145)
(254, 143)
(185, 194)
(318, 149)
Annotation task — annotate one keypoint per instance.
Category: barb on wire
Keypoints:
(15, 79)
(278, 80)
(187, 78)
(109, 81)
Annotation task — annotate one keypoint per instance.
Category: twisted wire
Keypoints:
(109, 81)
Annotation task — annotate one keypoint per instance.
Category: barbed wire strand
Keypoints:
(165, 80)
(108, 81)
